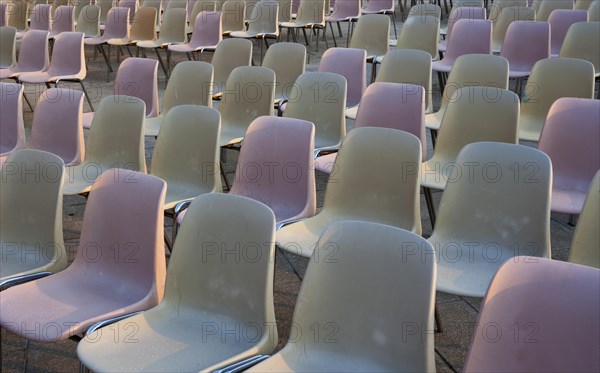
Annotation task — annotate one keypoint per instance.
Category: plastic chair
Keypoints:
(263, 24)
(115, 141)
(136, 77)
(200, 6)
(33, 55)
(12, 128)
(311, 16)
(142, 28)
(372, 34)
(175, 4)
(116, 27)
(206, 36)
(560, 20)
(583, 42)
(546, 84)
(285, 11)
(88, 22)
(58, 3)
(424, 10)
(8, 42)
(250, 5)
(190, 84)
(505, 19)
(57, 127)
(345, 11)
(525, 44)
(382, 7)
(543, 8)
(327, 113)
(31, 228)
(17, 15)
(584, 248)
(132, 5)
(482, 70)
(63, 20)
(351, 64)
(504, 212)
(233, 16)
(548, 309)
(594, 11)
(96, 287)
(78, 6)
(41, 19)
(288, 60)
(158, 6)
(388, 105)
(469, 13)
(330, 291)
(230, 54)
(468, 37)
(571, 124)
(498, 6)
(249, 94)
(174, 335)
(3, 14)
(420, 33)
(105, 7)
(359, 191)
(582, 4)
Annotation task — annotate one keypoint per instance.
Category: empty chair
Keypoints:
(8, 43)
(468, 13)
(560, 20)
(351, 64)
(230, 53)
(250, 5)
(206, 36)
(78, 6)
(3, 14)
(505, 19)
(116, 27)
(157, 5)
(142, 28)
(388, 105)
(174, 334)
(594, 11)
(372, 34)
(582, 4)
(263, 24)
(12, 128)
(471, 69)
(504, 212)
(88, 22)
(546, 84)
(41, 19)
(288, 61)
(421, 33)
(96, 287)
(320, 98)
(115, 141)
(175, 4)
(199, 7)
(33, 55)
(344, 11)
(311, 16)
(31, 230)
(17, 15)
(424, 10)
(285, 10)
(353, 291)
(583, 42)
(58, 3)
(543, 8)
(63, 20)
(132, 5)
(382, 7)
(359, 191)
(105, 6)
(233, 16)
(498, 7)
(549, 310)
(585, 245)
(190, 84)
(571, 138)
(525, 43)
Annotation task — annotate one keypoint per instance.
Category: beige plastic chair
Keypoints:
(424, 10)
(594, 11)
(583, 41)
(12, 126)
(495, 213)
(262, 25)
(156, 4)
(176, 4)
(358, 190)
(320, 98)
(116, 140)
(311, 16)
(220, 278)
(495, 10)
(31, 230)
(78, 6)
(190, 84)
(288, 60)
(199, 6)
(506, 17)
(8, 47)
(547, 83)
(585, 248)
(482, 70)
(230, 53)
(373, 35)
(582, 4)
(233, 16)
(249, 94)
(363, 329)
(543, 8)
(142, 27)
(17, 15)
(285, 10)
(421, 33)
(88, 21)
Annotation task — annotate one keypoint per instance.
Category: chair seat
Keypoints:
(250, 35)
(122, 41)
(231, 136)
(434, 175)
(154, 43)
(294, 24)
(79, 179)
(45, 76)
(442, 46)
(152, 125)
(352, 111)
(325, 163)
(434, 120)
(300, 238)
(14, 265)
(530, 128)
(380, 11)
(519, 73)
(443, 65)
(95, 40)
(567, 201)
(177, 193)
(334, 18)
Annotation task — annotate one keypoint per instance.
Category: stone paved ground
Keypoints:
(458, 313)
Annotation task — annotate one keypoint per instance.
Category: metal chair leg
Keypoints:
(332, 33)
(430, 207)
(438, 320)
(87, 96)
(222, 168)
(27, 101)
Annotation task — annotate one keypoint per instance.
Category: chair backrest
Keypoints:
(582, 4)
(394, 105)
(276, 166)
(176, 4)
(476, 114)
(311, 12)
(350, 63)
(424, 10)
(41, 18)
(586, 242)
(187, 148)
(583, 41)
(132, 5)
(34, 55)
(68, 57)
(505, 19)
(525, 43)
(190, 84)
(31, 210)
(571, 138)
(17, 15)
(207, 29)
(349, 295)
(549, 309)
(105, 6)
(468, 13)
(543, 8)
(372, 33)
(78, 6)
(408, 66)
(230, 53)
(89, 21)
(285, 10)
(469, 37)
(358, 190)
(173, 25)
(157, 5)
(116, 138)
(288, 60)
(468, 3)
(12, 128)
(264, 17)
(560, 20)
(58, 3)
(594, 11)
(379, 5)
(320, 98)
(63, 19)
(3, 14)
(143, 24)
(237, 236)
(498, 7)
(199, 7)
(137, 77)
(250, 5)
(233, 15)
(117, 23)
(58, 125)
(8, 47)
(421, 33)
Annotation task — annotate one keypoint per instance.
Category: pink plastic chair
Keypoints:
(468, 37)
(63, 20)
(388, 105)
(351, 63)
(538, 315)
(132, 5)
(560, 20)
(382, 7)
(119, 268)
(571, 138)
(468, 13)
(33, 56)
(207, 34)
(344, 11)
(3, 11)
(137, 77)
(57, 126)
(525, 43)
(115, 27)
(12, 130)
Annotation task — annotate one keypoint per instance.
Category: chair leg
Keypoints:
(438, 320)
(305, 37)
(168, 243)
(332, 34)
(349, 34)
(340, 30)
(27, 101)
(162, 64)
(572, 220)
(430, 207)
(222, 168)
(433, 136)
(394, 23)
(318, 33)
(87, 96)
